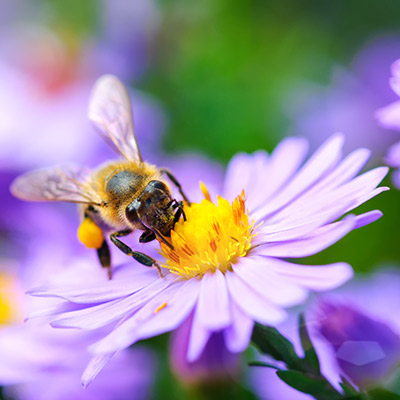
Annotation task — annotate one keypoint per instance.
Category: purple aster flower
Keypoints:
(227, 266)
(356, 333)
(348, 103)
(366, 350)
(389, 117)
(392, 159)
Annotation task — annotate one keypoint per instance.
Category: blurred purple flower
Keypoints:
(294, 215)
(367, 350)
(349, 102)
(127, 30)
(216, 363)
(42, 363)
(46, 80)
(355, 331)
(38, 362)
(389, 117)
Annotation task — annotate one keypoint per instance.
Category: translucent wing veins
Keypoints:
(61, 183)
(110, 111)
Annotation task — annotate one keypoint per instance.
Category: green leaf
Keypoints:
(262, 364)
(310, 355)
(318, 386)
(382, 394)
(347, 387)
(269, 341)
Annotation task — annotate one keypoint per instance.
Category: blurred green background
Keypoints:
(223, 68)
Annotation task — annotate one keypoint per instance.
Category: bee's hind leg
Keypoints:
(103, 253)
(175, 182)
(137, 255)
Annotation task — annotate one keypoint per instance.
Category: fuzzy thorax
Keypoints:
(214, 236)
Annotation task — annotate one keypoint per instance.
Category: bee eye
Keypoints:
(131, 213)
(157, 185)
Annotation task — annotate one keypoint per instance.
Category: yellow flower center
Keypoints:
(214, 236)
(9, 300)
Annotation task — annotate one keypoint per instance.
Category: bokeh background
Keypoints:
(208, 79)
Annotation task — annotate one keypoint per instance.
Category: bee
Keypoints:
(119, 196)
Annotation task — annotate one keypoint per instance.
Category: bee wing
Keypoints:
(61, 183)
(110, 111)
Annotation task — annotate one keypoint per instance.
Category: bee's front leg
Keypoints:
(137, 255)
(178, 206)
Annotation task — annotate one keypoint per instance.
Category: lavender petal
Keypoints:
(251, 303)
(237, 336)
(213, 308)
(265, 282)
(314, 277)
(321, 239)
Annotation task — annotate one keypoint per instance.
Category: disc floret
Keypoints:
(214, 236)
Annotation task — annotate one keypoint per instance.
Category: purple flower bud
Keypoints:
(367, 350)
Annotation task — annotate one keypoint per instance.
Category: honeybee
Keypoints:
(119, 196)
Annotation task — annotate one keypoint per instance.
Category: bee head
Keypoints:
(153, 208)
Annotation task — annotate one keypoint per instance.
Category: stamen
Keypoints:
(205, 191)
(214, 236)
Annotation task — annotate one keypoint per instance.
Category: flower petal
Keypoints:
(345, 171)
(286, 158)
(323, 160)
(239, 174)
(314, 277)
(389, 116)
(103, 291)
(161, 314)
(367, 218)
(199, 336)
(213, 309)
(308, 213)
(96, 364)
(392, 156)
(251, 303)
(54, 309)
(298, 225)
(321, 239)
(394, 82)
(100, 315)
(238, 335)
(262, 279)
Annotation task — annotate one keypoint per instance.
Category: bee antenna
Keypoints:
(158, 234)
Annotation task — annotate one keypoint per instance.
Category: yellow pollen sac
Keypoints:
(214, 236)
(90, 234)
